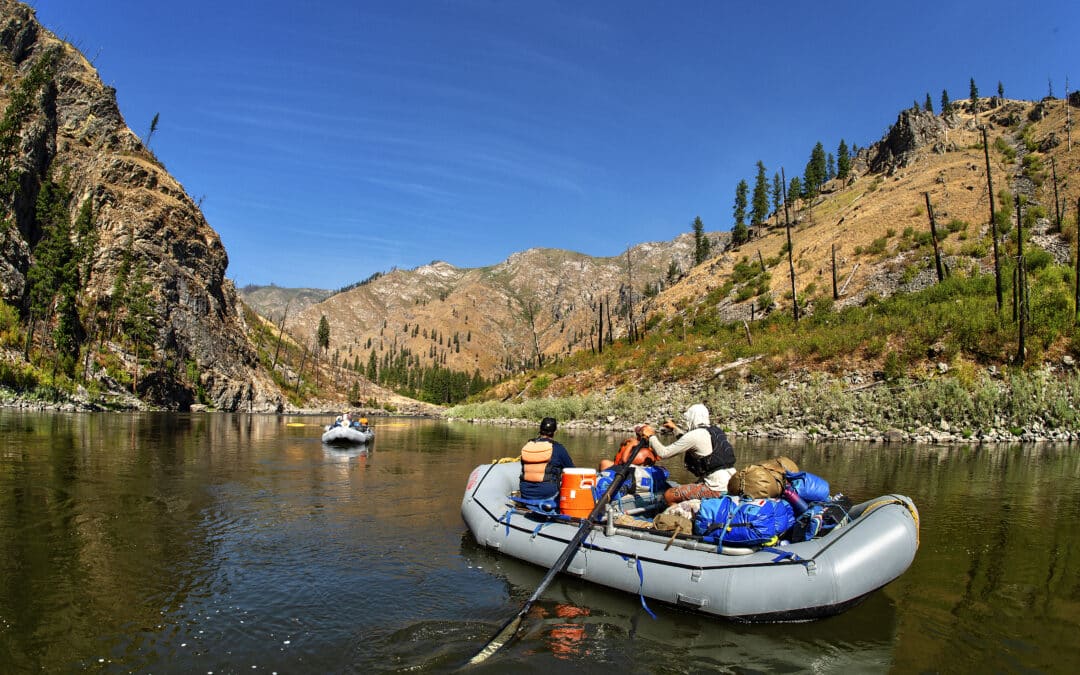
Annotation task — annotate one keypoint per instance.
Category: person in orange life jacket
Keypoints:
(542, 462)
(645, 456)
(706, 452)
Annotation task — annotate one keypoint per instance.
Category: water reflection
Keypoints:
(580, 621)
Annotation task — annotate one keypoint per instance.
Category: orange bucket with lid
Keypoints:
(576, 492)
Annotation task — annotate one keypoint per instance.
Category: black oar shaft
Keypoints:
(508, 629)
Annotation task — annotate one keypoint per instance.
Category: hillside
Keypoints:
(878, 226)
(866, 220)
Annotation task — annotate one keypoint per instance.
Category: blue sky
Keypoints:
(330, 140)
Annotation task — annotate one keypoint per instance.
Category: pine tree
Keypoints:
(843, 161)
(815, 172)
(153, 128)
(794, 190)
(830, 167)
(760, 203)
(54, 273)
(323, 338)
(1001, 90)
(739, 211)
(139, 312)
(974, 96)
(372, 372)
(946, 106)
(674, 273)
(701, 243)
(740, 234)
(928, 105)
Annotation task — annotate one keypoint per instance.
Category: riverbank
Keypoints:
(986, 407)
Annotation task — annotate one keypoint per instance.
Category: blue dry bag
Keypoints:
(810, 487)
(742, 522)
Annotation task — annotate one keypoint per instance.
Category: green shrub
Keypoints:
(910, 272)
(540, 385)
(1007, 151)
(1036, 259)
(893, 367)
(1032, 215)
(956, 225)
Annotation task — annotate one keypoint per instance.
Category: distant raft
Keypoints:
(336, 434)
(785, 582)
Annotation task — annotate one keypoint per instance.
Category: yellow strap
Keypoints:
(506, 460)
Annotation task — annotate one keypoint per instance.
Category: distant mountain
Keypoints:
(539, 303)
(272, 301)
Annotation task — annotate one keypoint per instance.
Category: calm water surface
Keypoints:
(219, 543)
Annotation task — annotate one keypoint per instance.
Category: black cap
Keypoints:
(547, 426)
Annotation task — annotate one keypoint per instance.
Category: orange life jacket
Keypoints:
(645, 456)
(536, 461)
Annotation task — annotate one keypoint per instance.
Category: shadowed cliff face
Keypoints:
(72, 127)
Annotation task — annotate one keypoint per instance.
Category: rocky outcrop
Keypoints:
(141, 213)
(913, 129)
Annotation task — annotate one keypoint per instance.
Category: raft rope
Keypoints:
(894, 500)
(641, 582)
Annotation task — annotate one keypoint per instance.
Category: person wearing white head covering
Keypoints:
(706, 452)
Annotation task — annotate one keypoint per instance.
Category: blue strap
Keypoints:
(506, 519)
(548, 506)
(731, 514)
(785, 555)
(537, 529)
(641, 583)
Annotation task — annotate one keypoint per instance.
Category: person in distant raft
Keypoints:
(542, 462)
(706, 452)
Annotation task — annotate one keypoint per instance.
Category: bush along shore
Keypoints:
(986, 407)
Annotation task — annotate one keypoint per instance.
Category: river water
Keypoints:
(229, 543)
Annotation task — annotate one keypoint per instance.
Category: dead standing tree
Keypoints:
(791, 263)
(993, 224)
(1076, 276)
(1020, 305)
(933, 238)
(529, 309)
(281, 332)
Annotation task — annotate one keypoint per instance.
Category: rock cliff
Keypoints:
(71, 127)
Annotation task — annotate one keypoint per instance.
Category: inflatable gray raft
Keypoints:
(787, 582)
(339, 435)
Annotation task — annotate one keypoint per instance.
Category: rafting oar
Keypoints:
(506, 633)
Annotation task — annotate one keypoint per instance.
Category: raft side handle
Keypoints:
(690, 601)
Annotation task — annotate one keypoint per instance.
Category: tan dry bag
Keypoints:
(755, 482)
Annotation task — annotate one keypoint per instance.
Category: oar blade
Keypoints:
(495, 643)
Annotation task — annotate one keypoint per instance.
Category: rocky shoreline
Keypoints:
(1036, 407)
(920, 435)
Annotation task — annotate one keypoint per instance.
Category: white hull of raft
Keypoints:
(830, 574)
(339, 435)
